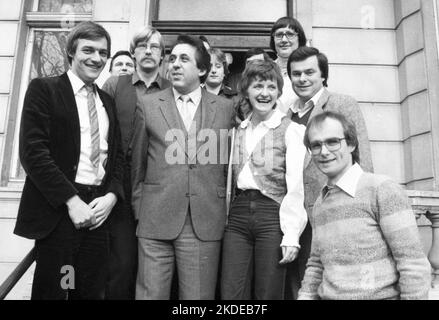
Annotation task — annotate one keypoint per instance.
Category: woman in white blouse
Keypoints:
(267, 214)
(286, 36)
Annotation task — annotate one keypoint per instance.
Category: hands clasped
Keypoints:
(91, 215)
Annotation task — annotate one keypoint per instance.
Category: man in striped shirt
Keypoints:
(365, 241)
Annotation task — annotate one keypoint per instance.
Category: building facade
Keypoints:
(382, 52)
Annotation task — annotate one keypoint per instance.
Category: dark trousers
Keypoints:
(71, 264)
(121, 281)
(296, 269)
(251, 250)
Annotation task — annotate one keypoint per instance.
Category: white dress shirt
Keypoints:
(288, 97)
(292, 213)
(301, 109)
(192, 104)
(86, 173)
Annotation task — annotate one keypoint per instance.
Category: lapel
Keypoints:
(107, 106)
(318, 108)
(169, 111)
(68, 97)
(208, 112)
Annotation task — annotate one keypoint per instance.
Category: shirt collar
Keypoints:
(194, 95)
(158, 80)
(303, 108)
(349, 181)
(75, 81)
(273, 122)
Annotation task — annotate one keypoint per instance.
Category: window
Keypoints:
(48, 24)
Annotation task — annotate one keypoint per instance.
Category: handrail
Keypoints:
(16, 275)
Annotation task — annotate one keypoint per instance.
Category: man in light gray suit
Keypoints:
(308, 70)
(178, 177)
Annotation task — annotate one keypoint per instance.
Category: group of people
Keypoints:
(128, 184)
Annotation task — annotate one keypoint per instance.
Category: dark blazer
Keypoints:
(313, 178)
(49, 151)
(162, 191)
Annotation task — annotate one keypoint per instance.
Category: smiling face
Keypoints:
(183, 71)
(122, 65)
(148, 54)
(286, 40)
(216, 74)
(306, 77)
(89, 59)
(333, 164)
(262, 95)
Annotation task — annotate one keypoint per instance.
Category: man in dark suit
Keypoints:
(71, 152)
(178, 196)
(148, 48)
(308, 70)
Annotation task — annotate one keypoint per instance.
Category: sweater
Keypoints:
(365, 244)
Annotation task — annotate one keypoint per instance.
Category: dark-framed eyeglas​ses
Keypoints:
(332, 144)
(289, 35)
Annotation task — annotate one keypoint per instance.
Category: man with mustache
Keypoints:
(308, 69)
(180, 201)
(148, 49)
(71, 151)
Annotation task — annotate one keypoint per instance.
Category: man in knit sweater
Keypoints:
(365, 241)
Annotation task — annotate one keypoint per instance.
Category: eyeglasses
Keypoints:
(289, 35)
(155, 48)
(332, 144)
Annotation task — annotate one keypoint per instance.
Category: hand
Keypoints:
(289, 253)
(101, 208)
(80, 213)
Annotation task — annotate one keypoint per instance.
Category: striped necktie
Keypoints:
(94, 127)
(184, 111)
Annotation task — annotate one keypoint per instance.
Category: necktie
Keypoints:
(94, 127)
(184, 111)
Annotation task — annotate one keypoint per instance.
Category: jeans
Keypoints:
(251, 250)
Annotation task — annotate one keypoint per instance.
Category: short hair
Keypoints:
(88, 30)
(221, 56)
(349, 131)
(288, 22)
(303, 53)
(202, 57)
(144, 34)
(117, 54)
(255, 51)
(205, 41)
(261, 70)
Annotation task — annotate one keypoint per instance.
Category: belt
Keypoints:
(248, 192)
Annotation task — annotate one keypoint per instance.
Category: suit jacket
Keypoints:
(162, 190)
(313, 178)
(49, 151)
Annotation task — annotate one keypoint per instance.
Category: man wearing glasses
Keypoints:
(308, 71)
(365, 239)
(148, 50)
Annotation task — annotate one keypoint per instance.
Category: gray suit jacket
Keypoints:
(313, 178)
(163, 190)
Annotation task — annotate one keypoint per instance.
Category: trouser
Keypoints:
(121, 281)
(251, 250)
(296, 269)
(71, 264)
(196, 262)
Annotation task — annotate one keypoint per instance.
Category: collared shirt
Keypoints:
(142, 90)
(86, 173)
(302, 108)
(193, 103)
(348, 182)
(292, 214)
